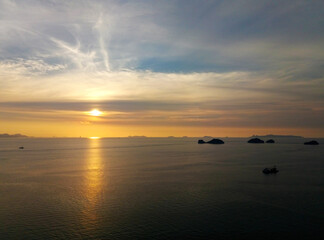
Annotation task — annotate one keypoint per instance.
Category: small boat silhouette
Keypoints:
(21, 147)
(273, 170)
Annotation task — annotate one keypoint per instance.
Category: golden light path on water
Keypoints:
(93, 183)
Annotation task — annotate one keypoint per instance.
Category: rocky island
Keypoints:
(311, 143)
(213, 141)
(273, 170)
(255, 140)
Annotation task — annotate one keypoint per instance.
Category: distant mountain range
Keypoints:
(276, 136)
(136, 136)
(18, 135)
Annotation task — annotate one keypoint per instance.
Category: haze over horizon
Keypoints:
(18, 135)
(181, 68)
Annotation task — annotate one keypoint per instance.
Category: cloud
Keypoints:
(213, 63)
(99, 26)
(246, 113)
(27, 67)
(210, 36)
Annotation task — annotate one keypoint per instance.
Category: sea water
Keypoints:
(159, 188)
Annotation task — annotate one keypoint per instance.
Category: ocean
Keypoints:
(160, 188)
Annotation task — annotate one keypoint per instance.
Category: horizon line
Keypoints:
(97, 137)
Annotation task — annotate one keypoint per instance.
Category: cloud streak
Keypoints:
(168, 113)
(99, 27)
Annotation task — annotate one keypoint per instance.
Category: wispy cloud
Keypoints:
(26, 67)
(100, 27)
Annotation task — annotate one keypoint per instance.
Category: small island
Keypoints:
(213, 141)
(273, 170)
(311, 143)
(255, 140)
(270, 141)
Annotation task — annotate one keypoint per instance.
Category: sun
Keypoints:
(95, 113)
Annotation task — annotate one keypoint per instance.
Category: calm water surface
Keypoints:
(159, 189)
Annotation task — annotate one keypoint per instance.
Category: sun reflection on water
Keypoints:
(93, 183)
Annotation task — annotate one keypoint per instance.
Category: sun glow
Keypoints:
(94, 137)
(95, 113)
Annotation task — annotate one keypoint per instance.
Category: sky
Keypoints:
(161, 68)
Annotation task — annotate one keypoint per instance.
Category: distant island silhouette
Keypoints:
(213, 141)
(136, 136)
(313, 142)
(255, 140)
(275, 136)
(18, 135)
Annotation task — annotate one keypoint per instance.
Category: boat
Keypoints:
(273, 170)
(21, 147)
